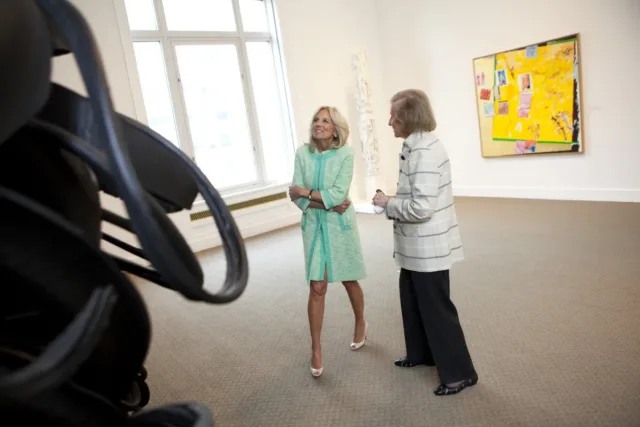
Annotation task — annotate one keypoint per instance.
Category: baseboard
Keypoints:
(364, 208)
(212, 239)
(585, 194)
(203, 234)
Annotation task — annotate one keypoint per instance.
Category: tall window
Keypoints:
(212, 82)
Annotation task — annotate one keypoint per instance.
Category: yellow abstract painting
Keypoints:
(528, 99)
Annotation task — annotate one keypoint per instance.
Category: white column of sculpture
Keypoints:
(368, 140)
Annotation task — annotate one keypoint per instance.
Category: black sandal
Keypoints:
(444, 390)
(406, 363)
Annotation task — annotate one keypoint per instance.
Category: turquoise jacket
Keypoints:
(331, 240)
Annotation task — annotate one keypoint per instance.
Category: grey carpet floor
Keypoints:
(549, 298)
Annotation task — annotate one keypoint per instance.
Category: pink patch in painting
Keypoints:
(523, 147)
(525, 104)
(523, 112)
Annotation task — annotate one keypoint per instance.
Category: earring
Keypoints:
(335, 135)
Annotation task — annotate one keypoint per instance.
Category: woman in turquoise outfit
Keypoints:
(321, 182)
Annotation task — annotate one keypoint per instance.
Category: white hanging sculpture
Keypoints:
(364, 102)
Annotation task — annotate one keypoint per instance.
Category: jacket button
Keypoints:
(402, 157)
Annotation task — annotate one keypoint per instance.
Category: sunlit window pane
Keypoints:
(199, 15)
(141, 15)
(269, 111)
(155, 89)
(217, 113)
(254, 15)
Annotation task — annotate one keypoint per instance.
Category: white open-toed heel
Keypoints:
(316, 372)
(358, 345)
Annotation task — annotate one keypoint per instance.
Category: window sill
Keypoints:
(244, 195)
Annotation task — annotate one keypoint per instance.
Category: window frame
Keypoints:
(169, 39)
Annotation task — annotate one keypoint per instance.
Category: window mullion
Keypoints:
(283, 98)
(175, 88)
(249, 96)
(213, 34)
(257, 36)
(177, 97)
(283, 92)
(142, 36)
(160, 16)
(169, 40)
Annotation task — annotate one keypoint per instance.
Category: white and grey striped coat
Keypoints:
(426, 232)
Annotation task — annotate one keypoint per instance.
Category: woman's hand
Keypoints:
(342, 207)
(380, 199)
(295, 192)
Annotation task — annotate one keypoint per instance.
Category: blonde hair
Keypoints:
(413, 111)
(339, 122)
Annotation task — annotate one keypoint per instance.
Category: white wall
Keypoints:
(430, 44)
(318, 42)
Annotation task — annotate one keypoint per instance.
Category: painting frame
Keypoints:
(489, 145)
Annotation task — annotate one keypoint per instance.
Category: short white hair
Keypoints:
(413, 111)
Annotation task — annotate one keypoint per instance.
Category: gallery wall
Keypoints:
(430, 44)
(319, 40)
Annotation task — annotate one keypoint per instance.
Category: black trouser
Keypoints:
(432, 330)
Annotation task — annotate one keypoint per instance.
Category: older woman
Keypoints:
(321, 182)
(426, 245)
